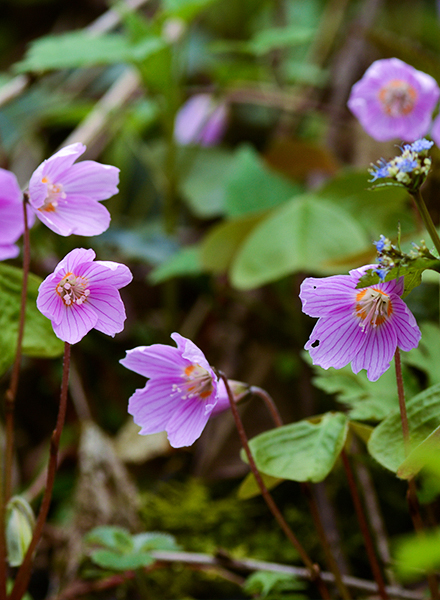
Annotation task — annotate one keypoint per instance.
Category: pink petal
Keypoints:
(49, 303)
(377, 352)
(152, 406)
(109, 308)
(9, 251)
(187, 423)
(191, 352)
(108, 273)
(340, 338)
(82, 217)
(90, 179)
(157, 360)
(74, 259)
(320, 296)
(405, 325)
(77, 321)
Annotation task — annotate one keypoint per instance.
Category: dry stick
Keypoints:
(308, 492)
(314, 571)
(411, 496)
(24, 573)
(369, 546)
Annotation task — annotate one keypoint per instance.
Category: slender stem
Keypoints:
(308, 492)
(22, 579)
(270, 404)
(420, 203)
(411, 495)
(314, 569)
(330, 559)
(12, 391)
(402, 405)
(369, 546)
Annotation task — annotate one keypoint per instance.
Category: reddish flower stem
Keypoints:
(369, 546)
(313, 568)
(307, 490)
(411, 495)
(24, 573)
(11, 393)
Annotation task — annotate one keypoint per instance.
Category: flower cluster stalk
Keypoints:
(313, 568)
(22, 579)
(420, 203)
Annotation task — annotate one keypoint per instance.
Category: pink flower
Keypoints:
(358, 326)
(435, 132)
(11, 215)
(81, 295)
(181, 394)
(394, 100)
(65, 196)
(201, 120)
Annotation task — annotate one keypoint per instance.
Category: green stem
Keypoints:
(24, 573)
(313, 568)
(420, 203)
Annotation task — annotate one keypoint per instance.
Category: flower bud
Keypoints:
(20, 522)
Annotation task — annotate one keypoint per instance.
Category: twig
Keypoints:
(80, 588)
(106, 22)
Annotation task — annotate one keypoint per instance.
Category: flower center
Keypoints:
(197, 382)
(54, 193)
(397, 98)
(373, 307)
(73, 289)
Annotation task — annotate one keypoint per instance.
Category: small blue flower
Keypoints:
(406, 165)
(380, 244)
(420, 145)
(382, 273)
(380, 171)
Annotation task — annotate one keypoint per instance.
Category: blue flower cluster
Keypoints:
(409, 169)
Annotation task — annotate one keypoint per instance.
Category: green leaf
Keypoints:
(301, 451)
(108, 559)
(39, 338)
(377, 211)
(412, 274)
(185, 261)
(426, 356)
(280, 37)
(223, 241)
(420, 456)
(262, 583)
(386, 441)
(204, 185)
(249, 487)
(367, 400)
(252, 186)
(154, 540)
(293, 238)
(185, 9)
(417, 555)
(111, 537)
(83, 49)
